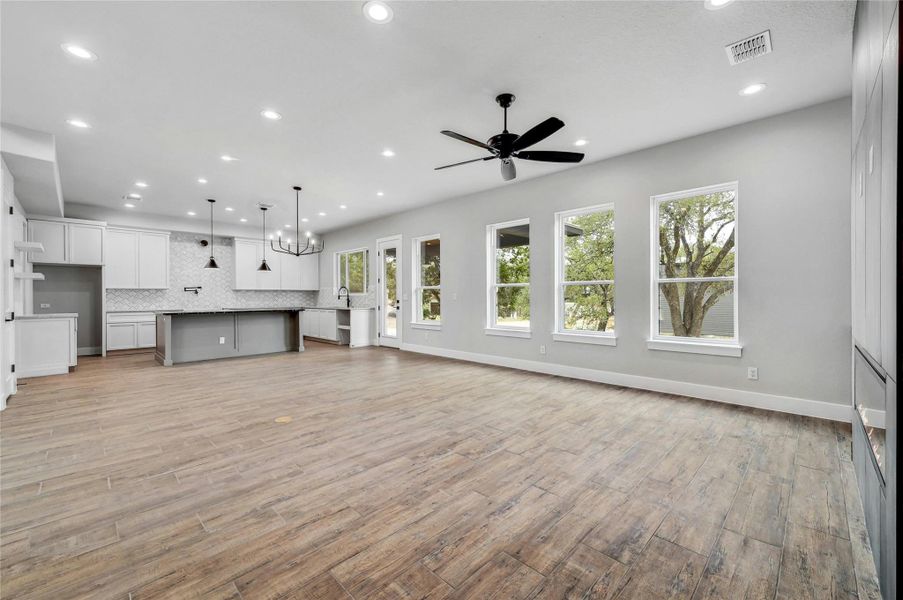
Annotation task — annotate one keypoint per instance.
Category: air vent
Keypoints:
(752, 47)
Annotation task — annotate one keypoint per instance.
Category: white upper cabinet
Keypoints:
(137, 259)
(67, 241)
(890, 95)
(287, 272)
(85, 244)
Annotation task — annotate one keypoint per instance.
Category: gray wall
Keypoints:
(73, 290)
(794, 254)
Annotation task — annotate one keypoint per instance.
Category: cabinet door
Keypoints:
(268, 280)
(147, 335)
(153, 260)
(328, 325)
(122, 336)
(310, 323)
(121, 266)
(53, 235)
(858, 185)
(246, 264)
(873, 226)
(290, 267)
(310, 272)
(891, 82)
(85, 244)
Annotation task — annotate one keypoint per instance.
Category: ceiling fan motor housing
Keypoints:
(502, 143)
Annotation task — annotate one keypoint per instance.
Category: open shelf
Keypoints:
(32, 276)
(29, 246)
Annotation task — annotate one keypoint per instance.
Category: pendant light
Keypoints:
(310, 247)
(211, 264)
(263, 264)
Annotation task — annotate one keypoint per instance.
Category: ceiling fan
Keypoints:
(508, 146)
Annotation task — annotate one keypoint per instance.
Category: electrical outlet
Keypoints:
(222, 340)
(752, 373)
(45, 305)
(542, 349)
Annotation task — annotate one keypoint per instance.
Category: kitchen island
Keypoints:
(193, 335)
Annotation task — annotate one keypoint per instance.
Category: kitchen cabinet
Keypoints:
(46, 344)
(129, 331)
(137, 259)
(67, 241)
(320, 323)
(287, 272)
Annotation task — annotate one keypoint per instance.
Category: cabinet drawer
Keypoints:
(143, 317)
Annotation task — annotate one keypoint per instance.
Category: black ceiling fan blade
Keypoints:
(466, 139)
(508, 170)
(538, 133)
(550, 156)
(464, 162)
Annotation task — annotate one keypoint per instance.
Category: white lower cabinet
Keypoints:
(128, 331)
(46, 344)
(319, 323)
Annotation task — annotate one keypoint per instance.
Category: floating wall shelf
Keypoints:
(29, 246)
(32, 276)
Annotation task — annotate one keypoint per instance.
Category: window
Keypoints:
(427, 281)
(351, 270)
(585, 274)
(509, 278)
(694, 277)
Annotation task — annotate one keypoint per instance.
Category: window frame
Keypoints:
(417, 288)
(335, 269)
(492, 285)
(731, 347)
(559, 332)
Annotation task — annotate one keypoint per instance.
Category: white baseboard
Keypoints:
(89, 351)
(785, 404)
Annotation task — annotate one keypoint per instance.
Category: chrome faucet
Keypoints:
(347, 296)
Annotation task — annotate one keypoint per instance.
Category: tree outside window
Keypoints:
(427, 279)
(509, 288)
(586, 290)
(351, 270)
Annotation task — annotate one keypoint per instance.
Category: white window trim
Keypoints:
(493, 328)
(730, 347)
(559, 333)
(417, 322)
(335, 270)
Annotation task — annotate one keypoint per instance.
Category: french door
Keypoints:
(388, 300)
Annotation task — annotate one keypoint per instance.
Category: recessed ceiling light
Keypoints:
(229, 209)
(243, 220)
(272, 115)
(201, 180)
(228, 158)
(380, 193)
(388, 153)
(581, 142)
(129, 205)
(78, 123)
(716, 4)
(322, 214)
(79, 51)
(191, 213)
(378, 12)
(342, 206)
(305, 220)
(134, 196)
(140, 184)
(755, 88)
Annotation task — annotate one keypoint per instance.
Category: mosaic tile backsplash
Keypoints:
(186, 269)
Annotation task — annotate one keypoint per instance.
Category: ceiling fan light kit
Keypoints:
(507, 146)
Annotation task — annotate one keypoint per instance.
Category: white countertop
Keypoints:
(49, 316)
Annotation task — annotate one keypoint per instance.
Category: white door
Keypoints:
(388, 300)
(122, 259)
(85, 244)
(12, 295)
(53, 235)
(153, 260)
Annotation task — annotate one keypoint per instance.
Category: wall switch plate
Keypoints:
(752, 373)
(542, 349)
(45, 305)
(222, 340)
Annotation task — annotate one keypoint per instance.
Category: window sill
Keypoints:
(518, 333)
(430, 326)
(586, 338)
(714, 349)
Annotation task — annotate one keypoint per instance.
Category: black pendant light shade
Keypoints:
(211, 264)
(263, 264)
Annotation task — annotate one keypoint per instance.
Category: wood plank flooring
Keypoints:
(406, 476)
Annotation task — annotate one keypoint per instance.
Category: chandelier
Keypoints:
(311, 246)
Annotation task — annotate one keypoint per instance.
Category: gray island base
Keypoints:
(188, 336)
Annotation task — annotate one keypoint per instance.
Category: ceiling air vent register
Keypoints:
(747, 49)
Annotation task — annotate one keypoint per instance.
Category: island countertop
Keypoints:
(219, 311)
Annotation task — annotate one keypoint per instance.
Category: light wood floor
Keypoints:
(405, 476)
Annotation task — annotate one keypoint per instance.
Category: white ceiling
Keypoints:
(178, 84)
